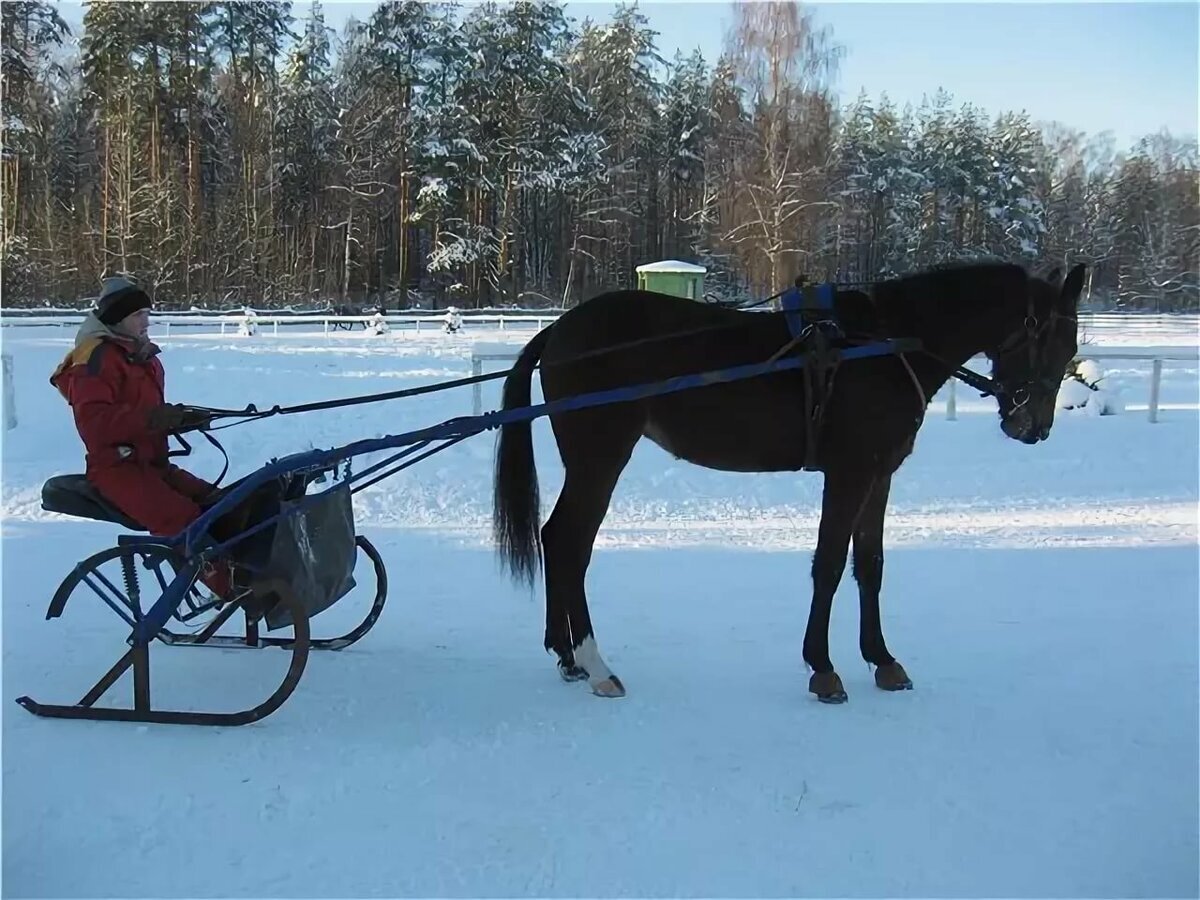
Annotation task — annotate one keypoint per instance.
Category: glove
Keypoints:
(167, 417)
(175, 417)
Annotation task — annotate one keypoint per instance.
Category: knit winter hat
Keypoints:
(118, 298)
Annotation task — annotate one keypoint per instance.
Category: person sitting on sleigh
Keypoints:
(115, 384)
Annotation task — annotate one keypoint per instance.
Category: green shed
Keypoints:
(670, 276)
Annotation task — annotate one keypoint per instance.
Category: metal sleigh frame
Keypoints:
(297, 595)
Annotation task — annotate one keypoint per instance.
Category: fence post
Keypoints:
(952, 403)
(1155, 381)
(10, 394)
(476, 390)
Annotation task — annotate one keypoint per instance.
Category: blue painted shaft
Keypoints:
(464, 426)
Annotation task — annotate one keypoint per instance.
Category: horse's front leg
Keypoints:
(845, 495)
(868, 571)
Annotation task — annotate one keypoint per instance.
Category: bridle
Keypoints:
(1029, 338)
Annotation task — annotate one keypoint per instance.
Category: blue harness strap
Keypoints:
(797, 301)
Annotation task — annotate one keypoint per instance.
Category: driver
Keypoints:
(114, 383)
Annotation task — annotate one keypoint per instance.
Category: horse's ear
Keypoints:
(1073, 286)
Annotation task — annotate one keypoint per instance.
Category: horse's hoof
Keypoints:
(572, 673)
(610, 687)
(828, 687)
(892, 677)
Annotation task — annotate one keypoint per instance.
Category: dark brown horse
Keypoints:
(1025, 325)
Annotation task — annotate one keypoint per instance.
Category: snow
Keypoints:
(1042, 598)
(1074, 394)
(432, 186)
(672, 265)
(1084, 391)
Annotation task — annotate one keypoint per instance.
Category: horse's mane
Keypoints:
(946, 289)
(953, 278)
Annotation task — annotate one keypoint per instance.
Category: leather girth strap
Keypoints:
(810, 318)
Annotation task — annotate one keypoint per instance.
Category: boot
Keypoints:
(220, 577)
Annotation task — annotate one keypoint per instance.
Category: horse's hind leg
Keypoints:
(594, 449)
(868, 571)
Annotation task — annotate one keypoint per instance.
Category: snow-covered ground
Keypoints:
(1043, 599)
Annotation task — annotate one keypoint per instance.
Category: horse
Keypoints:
(1025, 325)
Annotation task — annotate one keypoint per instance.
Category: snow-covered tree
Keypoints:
(477, 153)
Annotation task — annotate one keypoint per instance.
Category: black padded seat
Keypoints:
(74, 495)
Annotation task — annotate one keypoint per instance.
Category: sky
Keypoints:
(1127, 68)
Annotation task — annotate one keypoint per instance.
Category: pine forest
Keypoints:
(503, 154)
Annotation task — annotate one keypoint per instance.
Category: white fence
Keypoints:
(10, 393)
(1101, 326)
(1156, 356)
(225, 321)
(482, 353)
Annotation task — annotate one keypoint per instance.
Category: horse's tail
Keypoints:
(516, 505)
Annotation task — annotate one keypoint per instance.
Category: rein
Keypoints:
(252, 412)
(205, 416)
(187, 450)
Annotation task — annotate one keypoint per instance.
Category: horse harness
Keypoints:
(816, 333)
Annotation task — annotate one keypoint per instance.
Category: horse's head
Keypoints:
(1030, 364)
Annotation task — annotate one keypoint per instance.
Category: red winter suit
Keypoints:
(112, 383)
